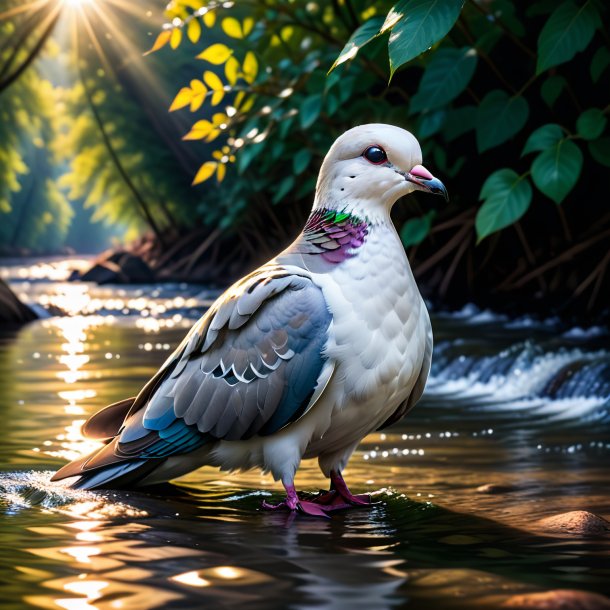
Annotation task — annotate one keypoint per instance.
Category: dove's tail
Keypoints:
(102, 469)
(123, 475)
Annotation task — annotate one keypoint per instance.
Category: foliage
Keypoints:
(92, 174)
(33, 211)
(508, 95)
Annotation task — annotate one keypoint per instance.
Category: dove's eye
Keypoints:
(375, 154)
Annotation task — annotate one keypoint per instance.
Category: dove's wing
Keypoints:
(253, 364)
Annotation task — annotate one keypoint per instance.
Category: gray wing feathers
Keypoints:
(253, 363)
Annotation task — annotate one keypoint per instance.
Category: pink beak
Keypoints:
(425, 181)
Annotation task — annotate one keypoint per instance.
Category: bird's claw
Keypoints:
(335, 500)
(322, 504)
(302, 506)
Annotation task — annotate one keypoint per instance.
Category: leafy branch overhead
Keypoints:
(479, 73)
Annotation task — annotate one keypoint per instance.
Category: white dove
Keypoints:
(302, 358)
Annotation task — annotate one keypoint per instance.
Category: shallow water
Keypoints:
(522, 404)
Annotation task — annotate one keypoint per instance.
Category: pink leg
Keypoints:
(339, 496)
(293, 503)
(339, 484)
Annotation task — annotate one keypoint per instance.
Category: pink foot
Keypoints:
(294, 503)
(340, 497)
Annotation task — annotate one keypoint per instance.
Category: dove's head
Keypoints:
(370, 167)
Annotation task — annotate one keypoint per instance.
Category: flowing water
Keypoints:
(523, 405)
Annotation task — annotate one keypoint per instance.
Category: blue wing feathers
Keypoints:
(249, 367)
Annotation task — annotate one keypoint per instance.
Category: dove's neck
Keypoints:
(368, 211)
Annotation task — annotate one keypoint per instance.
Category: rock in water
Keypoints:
(559, 599)
(135, 269)
(579, 522)
(119, 268)
(12, 310)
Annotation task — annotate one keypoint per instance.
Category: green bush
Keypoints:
(506, 98)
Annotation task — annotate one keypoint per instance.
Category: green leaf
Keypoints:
(445, 77)
(316, 82)
(459, 121)
(499, 118)
(430, 123)
(247, 154)
(415, 230)
(551, 89)
(599, 63)
(416, 25)
(556, 170)
(310, 110)
(568, 30)
(284, 187)
(600, 151)
(542, 138)
(362, 36)
(591, 123)
(507, 197)
(332, 104)
(301, 160)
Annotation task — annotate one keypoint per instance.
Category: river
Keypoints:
(520, 404)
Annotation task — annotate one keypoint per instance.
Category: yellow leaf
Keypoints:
(194, 4)
(199, 93)
(221, 170)
(212, 81)
(217, 155)
(248, 25)
(213, 135)
(231, 70)
(176, 38)
(209, 19)
(216, 54)
(197, 86)
(239, 98)
(232, 27)
(182, 99)
(219, 118)
(247, 104)
(161, 41)
(205, 171)
(193, 30)
(250, 67)
(197, 100)
(199, 130)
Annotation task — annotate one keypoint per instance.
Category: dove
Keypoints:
(302, 358)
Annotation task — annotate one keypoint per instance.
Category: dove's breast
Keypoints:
(377, 338)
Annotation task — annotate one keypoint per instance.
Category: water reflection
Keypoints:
(432, 541)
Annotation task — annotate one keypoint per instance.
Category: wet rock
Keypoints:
(104, 272)
(12, 310)
(492, 488)
(578, 522)
(136, 269)
(119, 268)
(559, 599)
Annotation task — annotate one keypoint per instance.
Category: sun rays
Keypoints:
(90, 30)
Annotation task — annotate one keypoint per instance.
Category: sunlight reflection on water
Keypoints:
(204, 541)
